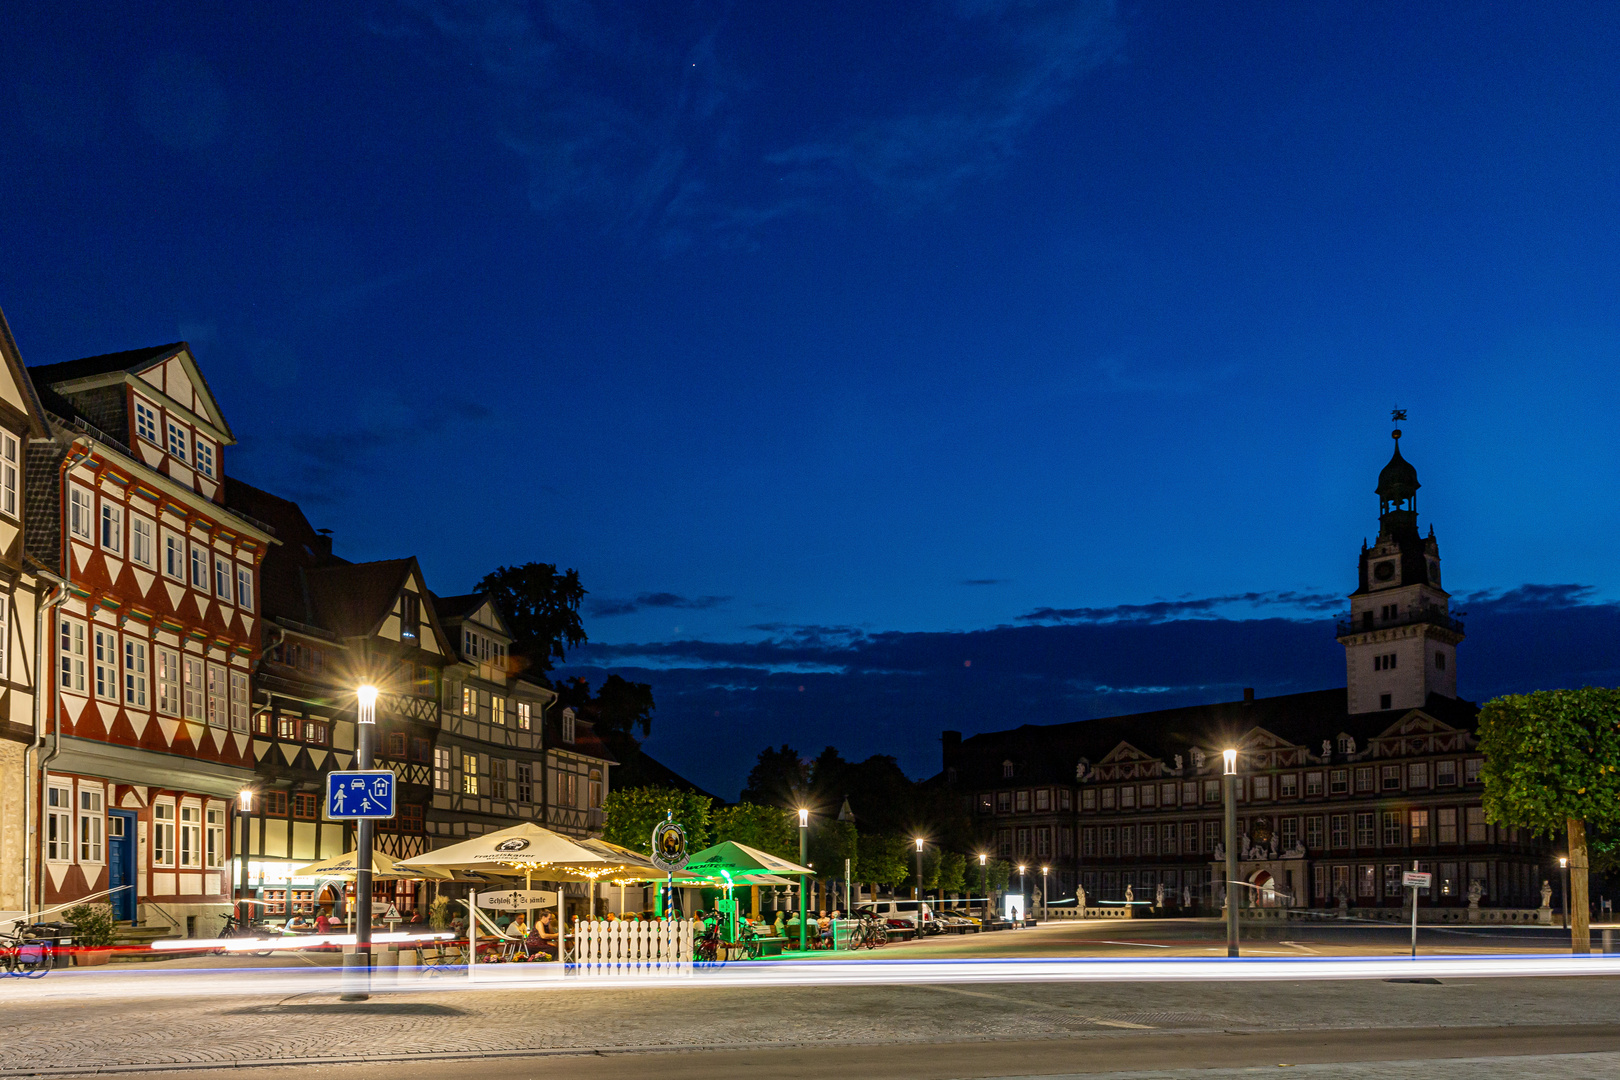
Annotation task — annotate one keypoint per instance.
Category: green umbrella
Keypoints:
(743, 863)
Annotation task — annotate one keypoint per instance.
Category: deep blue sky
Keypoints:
(793, 327)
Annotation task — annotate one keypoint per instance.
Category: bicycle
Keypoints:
(28, 952)
(236, 928)
(870, 934)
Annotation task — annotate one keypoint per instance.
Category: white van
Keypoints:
(905, 911)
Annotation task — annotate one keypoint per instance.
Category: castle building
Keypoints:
(1339, 789)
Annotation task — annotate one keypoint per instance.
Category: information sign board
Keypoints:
(367, 793)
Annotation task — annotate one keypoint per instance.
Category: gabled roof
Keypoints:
(353, 600)
(92, 369)
(458, 607)
(25, 386)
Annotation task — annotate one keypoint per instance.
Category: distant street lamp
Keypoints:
(1563, 893)
(1022, 910)
(804, 855)
(1043, 894)
(984, 887)
(1230, 758)
(244, 806)
(917, 886)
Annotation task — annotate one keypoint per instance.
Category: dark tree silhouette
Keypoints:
(541, 607)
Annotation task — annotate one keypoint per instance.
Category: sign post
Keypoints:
(363, 795)
(669, 855)
(1415, 881)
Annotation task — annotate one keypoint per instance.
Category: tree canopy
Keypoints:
(632, 813)
(778, 778)
(1551, 756)
(767, 828)
(541, 608)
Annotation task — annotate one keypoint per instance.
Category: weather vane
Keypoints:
(1396, 416)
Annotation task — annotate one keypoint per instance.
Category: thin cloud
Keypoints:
(984, 581)
(1202, 607)
(609, 608)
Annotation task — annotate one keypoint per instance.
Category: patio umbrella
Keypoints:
(382, 866)
(522, 849)
(743, 863)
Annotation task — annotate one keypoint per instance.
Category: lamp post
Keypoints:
(1043, 894)
(916, 890)
(984, 887)
(244, 805)
(1230, 758)
(1023, 910)
(1563, 891)
(804, 854)
(365, 752)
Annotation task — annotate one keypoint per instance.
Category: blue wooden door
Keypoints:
(121, 863)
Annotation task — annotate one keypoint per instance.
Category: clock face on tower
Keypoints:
(1384, 571)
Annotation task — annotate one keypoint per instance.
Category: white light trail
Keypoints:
(262, 982)
(237, 944)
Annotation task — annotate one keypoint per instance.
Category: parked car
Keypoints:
(917, 915)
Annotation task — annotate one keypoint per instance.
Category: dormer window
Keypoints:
(1006, 770)
(1347, 745)
(568, 731)
(146, 421)
(178, 441)
(205, 456)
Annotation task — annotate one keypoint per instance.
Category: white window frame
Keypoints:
(192, 668)
(169, 680)
(81, 514)
(524, 717)
(142, 548)
(163, 832)
(92, 823)
(112, 526)
(203, 452)
(135, 660)
(218, 697)
(222, 578)
(200, 556)
(146, 421)
(70, 655)
(239, 700)
(441, 768)
(214, 841)
(104, 661)
(59, 822)
(244, 587)
(174, 555)
(179, 439)
(8, 474)
(191, 835)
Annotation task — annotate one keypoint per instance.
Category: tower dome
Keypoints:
(1398, 482)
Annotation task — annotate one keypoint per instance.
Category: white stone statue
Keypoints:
(1220, 852)
(1158, 897)
(1327, 749)
(1546, 895)
(1186, 897)
(1080, 899)
(1273, 845)
(1244, 845)
(1178, 763)
(1198, 758)
(1474, 894)
(1130, 894)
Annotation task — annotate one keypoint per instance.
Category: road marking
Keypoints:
(1143, 944)
(1038, 1005)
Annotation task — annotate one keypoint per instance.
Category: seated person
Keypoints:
(323, 922)
(542, 940)
(779, 927)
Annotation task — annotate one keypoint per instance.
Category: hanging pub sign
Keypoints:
(517, 899)
(669, 846)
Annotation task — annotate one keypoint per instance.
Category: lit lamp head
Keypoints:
(804, 818)
(1230, 757)
(1022, 868)
(367, 697)
(1563, 862)
(919, 843)
(982, 858)
(244, 800)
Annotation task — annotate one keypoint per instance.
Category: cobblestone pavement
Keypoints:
(96, 1032)
(1543, 1067)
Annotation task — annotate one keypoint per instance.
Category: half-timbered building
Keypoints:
(22, 588)
(152, 647)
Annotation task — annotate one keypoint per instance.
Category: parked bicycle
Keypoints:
(236, 928)
(28, 952)
(870, 933)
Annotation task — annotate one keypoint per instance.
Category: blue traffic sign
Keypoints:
(360, 794)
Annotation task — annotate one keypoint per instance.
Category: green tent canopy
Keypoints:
(744, 864)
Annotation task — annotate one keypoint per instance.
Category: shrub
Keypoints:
(93, 924)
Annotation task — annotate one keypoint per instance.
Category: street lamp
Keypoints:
(1563, 894)
(1043, 894)
(1022, 910)
(917, 886)
(1230, 759)
(366, 729)
(244, 806)
(804, 855)
(984, 887)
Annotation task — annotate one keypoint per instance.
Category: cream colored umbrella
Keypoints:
(522, 849)
(382, 866)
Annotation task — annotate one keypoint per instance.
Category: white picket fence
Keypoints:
(663, 947)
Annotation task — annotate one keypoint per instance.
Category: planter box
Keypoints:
(91, 957)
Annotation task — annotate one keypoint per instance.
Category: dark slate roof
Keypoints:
(585, 742)
(457, 607)
(281, 576)
(351, 600)
(1398, 480)
(1048, 753)
(128, 360)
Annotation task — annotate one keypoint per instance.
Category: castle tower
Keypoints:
(1400, 643)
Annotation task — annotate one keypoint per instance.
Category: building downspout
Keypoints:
(53, 599)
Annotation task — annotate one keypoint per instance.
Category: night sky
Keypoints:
(882, 368)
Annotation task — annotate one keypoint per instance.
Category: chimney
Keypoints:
(323, 544)
(1248, 695)
(952, 746)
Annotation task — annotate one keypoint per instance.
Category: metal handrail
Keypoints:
(1348, 626)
